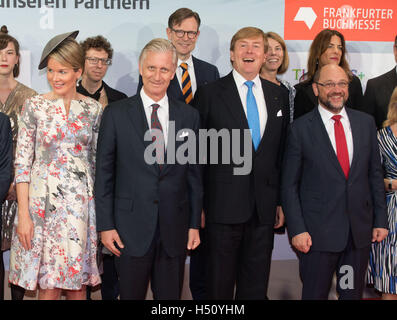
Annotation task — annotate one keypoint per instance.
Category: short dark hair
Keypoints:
(181, 14)
(395, 40)
(98, 43)
(5, 38)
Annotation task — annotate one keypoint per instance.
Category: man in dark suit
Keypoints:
(378, 92)
(183, 31)
(333, 194)
(241, 208)
(148, 214)
(98, 54)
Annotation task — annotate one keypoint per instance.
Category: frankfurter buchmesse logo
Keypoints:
(307, 15)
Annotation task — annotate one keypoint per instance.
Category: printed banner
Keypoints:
(358, 20)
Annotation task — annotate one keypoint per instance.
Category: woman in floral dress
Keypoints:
(55, 241)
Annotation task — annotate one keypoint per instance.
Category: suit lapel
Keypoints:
(173, 117)
(233, 102)
(356, 130)
(174, 89)
(138, 118)
(197, 73)
(320, 137)
(271, 101)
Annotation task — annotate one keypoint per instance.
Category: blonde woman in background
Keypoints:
(276, 63)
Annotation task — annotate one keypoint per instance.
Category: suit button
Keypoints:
(156, 202)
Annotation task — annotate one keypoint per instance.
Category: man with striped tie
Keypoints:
(191, 73)
(240, 210)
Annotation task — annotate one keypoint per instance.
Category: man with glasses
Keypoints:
(332, 192)
(191, 73)
(98, 57)
(379, 90)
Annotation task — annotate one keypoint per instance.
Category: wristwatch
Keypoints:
(390, 184)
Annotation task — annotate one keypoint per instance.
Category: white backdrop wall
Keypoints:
(130, 29)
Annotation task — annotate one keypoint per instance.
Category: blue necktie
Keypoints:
(253, 115)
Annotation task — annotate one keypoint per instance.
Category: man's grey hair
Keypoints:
(159, 45)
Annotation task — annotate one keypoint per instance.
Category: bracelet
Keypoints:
(390, 185)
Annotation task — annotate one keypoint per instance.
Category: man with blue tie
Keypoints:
(241, 210)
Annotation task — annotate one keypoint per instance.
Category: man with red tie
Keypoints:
(332, 190)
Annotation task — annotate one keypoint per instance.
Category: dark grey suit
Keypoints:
(143, 203)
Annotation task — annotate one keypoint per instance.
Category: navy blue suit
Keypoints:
(338, 213)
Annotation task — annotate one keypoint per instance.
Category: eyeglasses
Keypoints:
(331, 85)
(181, 33)
(94, 61)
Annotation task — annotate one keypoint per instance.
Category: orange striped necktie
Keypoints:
(186, 84)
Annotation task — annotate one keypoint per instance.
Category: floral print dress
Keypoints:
(56, 156)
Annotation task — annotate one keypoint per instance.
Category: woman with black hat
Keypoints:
(12, 96)
(54, 245)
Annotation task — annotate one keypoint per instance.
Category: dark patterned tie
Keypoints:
(341, 145)
(155, 124)
(186, 84)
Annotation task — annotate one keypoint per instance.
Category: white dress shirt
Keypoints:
(162, 112)
(326, 116)
(190, 69)
(259, 97)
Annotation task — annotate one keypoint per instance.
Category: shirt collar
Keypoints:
(147, 101)
(240, 80)
(327, 115)
(189, 62)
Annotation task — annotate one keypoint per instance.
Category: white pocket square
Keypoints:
(279, 113)
(184, 134)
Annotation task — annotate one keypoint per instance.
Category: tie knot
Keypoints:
(184, 66)
(155, 107)
(249, 84)
(336, 118)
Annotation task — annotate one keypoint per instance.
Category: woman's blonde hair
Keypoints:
(284, 65)
(69, 53)
(392, 110)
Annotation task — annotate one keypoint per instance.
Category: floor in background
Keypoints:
(284, 284)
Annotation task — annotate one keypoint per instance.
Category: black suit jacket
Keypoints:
(305, 100)
(132, 196)
(5, 155)
(378, 94)
(229, 198)
(204, 72)
(113, 94)
(317, 198)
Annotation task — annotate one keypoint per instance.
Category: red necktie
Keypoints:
(341, 145)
